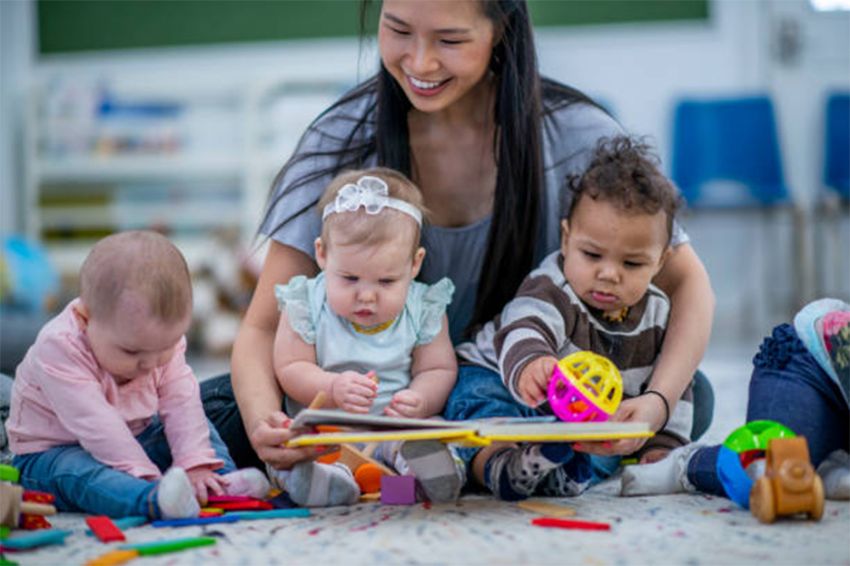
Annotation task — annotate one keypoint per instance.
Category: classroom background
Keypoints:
(176, 115)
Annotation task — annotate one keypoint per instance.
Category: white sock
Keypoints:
(439, 471)
(311, 484)
(669, 475)
(176, 497)
(249, 482)
(835, 473)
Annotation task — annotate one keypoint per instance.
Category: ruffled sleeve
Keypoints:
(435, 299)
(294, 297)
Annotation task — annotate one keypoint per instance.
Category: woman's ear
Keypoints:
(418, 256)
(321, 257)
(81, 313)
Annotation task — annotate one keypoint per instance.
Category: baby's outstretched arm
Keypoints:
(301, 378)
(434, 372)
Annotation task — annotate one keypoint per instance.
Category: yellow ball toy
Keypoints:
(585, 387)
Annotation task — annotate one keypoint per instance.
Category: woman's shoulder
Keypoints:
(572, 121)
(353, 111)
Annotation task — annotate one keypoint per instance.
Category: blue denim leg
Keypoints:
(155, 444)
(790, 387)
(787, 386)
(479, 394)
(221, 409)
(81, 483)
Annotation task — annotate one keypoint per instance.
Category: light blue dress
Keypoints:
(339, 347)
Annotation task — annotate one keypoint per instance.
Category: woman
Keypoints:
(458, 106)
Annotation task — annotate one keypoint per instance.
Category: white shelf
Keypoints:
(134, 167)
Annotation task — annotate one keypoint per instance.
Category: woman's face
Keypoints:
(437, 50)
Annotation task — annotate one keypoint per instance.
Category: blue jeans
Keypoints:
(79, 482)
(787, 386)
(479, 394)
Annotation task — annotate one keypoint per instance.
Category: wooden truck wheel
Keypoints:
(817, 496)
(761, 501)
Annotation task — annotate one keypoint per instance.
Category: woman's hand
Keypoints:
(407, 403)
(643, 408)
(354, 392)
(269, 436)
(534, 380)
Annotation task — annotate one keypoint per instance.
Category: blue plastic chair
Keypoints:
(726, 157)
(726, 153)
(836, 173)
(833, 205)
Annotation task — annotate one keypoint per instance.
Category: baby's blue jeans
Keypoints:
(787, 386)
(79, 482)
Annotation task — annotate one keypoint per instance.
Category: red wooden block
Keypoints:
(30, 522)
(104, 529)
(37, 497)
(254, 505)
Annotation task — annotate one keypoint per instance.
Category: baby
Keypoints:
(595, 293)
(104, 401)
(368, 335)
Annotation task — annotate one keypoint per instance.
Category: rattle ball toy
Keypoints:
(585, 387)
(742, 455)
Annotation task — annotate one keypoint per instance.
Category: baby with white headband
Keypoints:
(368, 335)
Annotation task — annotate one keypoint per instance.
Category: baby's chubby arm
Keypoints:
(301, 378)
(434, 373)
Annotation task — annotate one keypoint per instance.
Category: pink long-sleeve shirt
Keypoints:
(62, 396)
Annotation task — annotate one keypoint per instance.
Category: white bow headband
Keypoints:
(372, 194)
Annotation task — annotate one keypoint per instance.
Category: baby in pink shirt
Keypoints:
(104, 401)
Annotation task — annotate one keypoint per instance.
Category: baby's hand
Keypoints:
(407, 403)
(205, 481)
(354, 392)
(534, 380)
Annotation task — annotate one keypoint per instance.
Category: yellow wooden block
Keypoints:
(114, 557)
(546, 508)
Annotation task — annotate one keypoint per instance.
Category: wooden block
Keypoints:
(104, 529)
(546, 508)
(398, 490)
(353, 458)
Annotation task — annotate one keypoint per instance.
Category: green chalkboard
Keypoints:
(92, 25)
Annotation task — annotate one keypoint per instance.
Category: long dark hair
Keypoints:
(522, 101)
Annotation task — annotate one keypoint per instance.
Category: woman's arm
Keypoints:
(257, 393)
(686, 282)
(434, 372)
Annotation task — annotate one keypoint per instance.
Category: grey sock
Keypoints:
(436, 467)
(311, 484)
(559, 483)
(669, 475)
(514, 473)
(835, 472)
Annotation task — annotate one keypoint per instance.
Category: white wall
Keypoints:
(16, 65)
(638, 69)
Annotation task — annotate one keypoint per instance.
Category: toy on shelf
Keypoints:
(789, 485)
(12, 505)
(585, 387)
(741, 458)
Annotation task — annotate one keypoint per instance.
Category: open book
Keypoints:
(340, 427)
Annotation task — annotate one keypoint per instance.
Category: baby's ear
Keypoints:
(418, 256)
(321, 253)
(81, 313)
(565, 234)
(668, 251)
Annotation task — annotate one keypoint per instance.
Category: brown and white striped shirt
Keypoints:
(546, 318)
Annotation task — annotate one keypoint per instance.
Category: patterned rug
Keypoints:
(677, 529)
